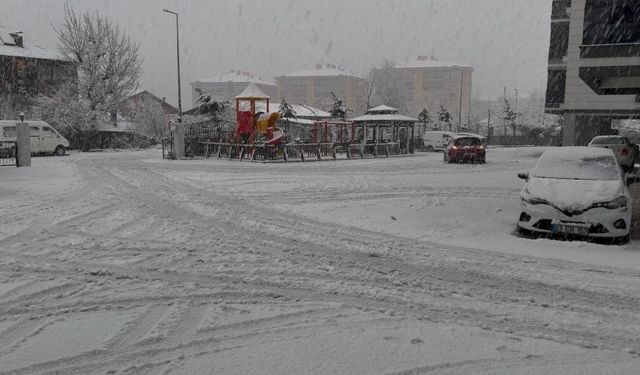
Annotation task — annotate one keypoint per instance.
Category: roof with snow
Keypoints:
(31, 51)
(321, 71)
(303, 111)
(381, 109)
(235, 76)
(252, 92)
(383, 113)
(430, 62)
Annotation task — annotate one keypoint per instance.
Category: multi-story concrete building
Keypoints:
(314, 88)
(428, 83)
(594, 66)
(226, 87)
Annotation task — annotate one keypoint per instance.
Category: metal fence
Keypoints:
(298, 151)
(8, 153)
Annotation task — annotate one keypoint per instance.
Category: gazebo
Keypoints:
(383, 125)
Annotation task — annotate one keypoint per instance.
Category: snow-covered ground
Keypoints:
(123, 263)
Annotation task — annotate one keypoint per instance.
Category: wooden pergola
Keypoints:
(383, 125)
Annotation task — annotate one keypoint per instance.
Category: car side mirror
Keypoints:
(633, 180)
(523, 176)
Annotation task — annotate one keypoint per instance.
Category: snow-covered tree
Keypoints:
(286, 110)
(425, 119)
(444, 116)
(208, 106)
(338, 109)
(509, 116)
(109, 64)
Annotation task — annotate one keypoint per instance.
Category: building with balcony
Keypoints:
(226, 87)
(594, 66)
(314, 87)
(429, 83)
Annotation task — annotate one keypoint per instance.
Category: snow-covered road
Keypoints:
(123, 263)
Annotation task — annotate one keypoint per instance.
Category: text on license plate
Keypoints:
(570, 229)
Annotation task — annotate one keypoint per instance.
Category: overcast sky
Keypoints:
(505, 40)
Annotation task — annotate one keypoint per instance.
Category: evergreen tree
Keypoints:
(445, 116)
(425, 118)
(338, 109)
(286, 110)
(208, 105)
(509, 117)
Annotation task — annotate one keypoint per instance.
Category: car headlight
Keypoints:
(620, 202)
(530, 199)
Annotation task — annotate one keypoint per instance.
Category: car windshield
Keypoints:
(598, 167)
(608, 141)
(470, 141)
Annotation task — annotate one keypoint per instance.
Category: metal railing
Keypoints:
(8, 153)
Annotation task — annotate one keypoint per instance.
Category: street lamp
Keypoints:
(461, 89)
(178, 57)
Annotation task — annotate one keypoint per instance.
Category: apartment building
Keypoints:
(314, 87)
(225, 87)
(594, 66)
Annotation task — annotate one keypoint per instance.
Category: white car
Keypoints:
(625, 151)
(577, 191)
(437, 140)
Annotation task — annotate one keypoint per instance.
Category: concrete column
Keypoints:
(569, 130)
(178, 141)
(23, 159)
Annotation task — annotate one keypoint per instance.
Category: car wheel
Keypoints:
(430, 149)
(60, 151)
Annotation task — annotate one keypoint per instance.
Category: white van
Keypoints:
(44, 138)
(437, 140)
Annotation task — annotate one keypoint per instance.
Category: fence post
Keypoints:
(23, 154)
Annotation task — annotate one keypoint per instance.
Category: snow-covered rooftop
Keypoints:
(252, 92)
(235, 76)
(321, 71)
(32, 51)
(302, 110)
(424, 62)
(382, 109)
(384, 117)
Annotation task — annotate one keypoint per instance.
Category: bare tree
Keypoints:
(149, 119)
(109, 64)
(369, 87)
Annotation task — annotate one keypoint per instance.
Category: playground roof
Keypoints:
(394, 117)
(381, 109)
(252, 92)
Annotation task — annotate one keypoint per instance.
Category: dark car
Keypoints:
(464, 148)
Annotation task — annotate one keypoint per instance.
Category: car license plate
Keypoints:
(580, 230)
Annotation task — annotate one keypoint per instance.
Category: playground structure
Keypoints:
(259, 135)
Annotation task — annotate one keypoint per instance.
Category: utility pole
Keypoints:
(515, 121)
(178, 58)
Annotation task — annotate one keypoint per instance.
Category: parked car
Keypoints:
(44, 138)
(464, 148)
(577, 191)
(625, 151)
(483, 139)
(437, 140)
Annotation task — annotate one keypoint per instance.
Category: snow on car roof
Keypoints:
(576, 152)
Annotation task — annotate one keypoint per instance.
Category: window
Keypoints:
(556, 87)
(559, 41)
(611, 22)
(34, 130)
(9, 132)
(48, 132)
